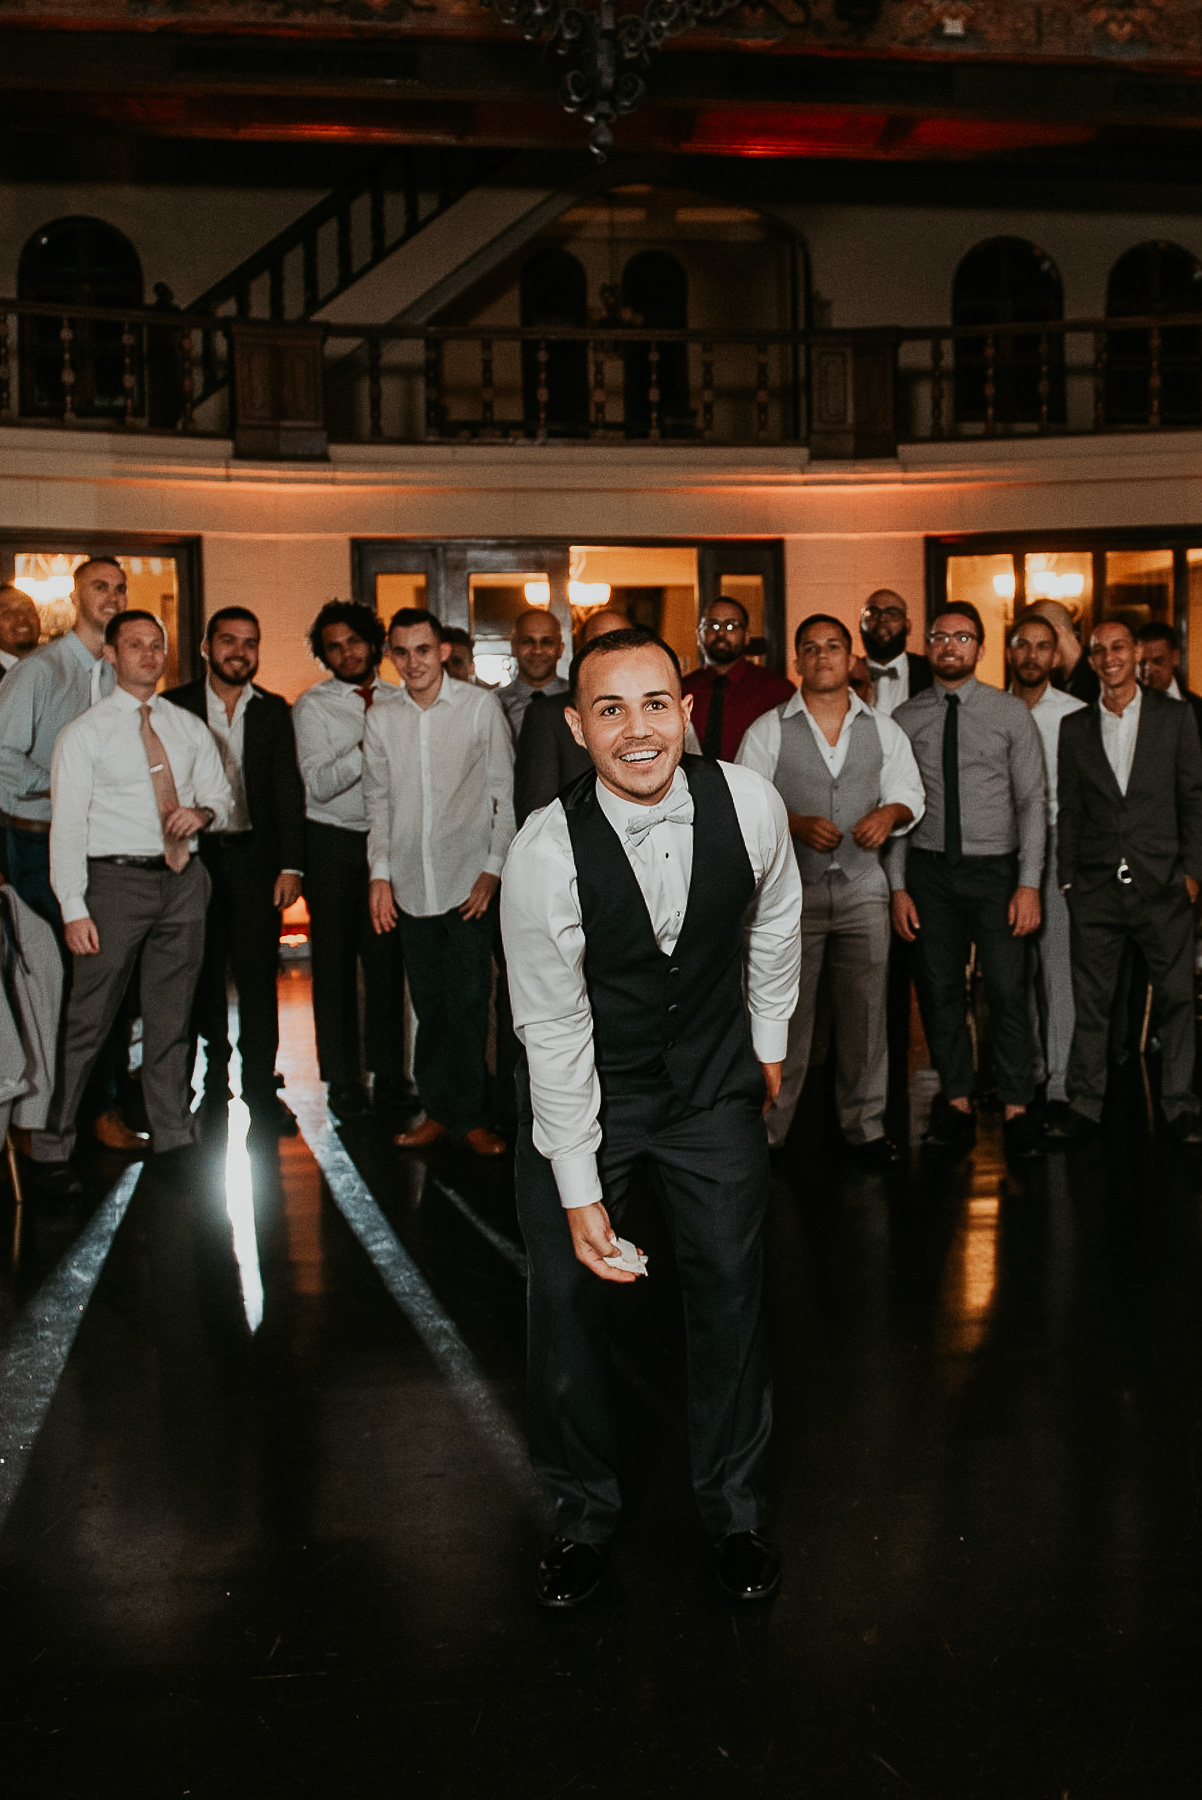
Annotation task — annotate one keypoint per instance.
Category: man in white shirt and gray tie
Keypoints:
(133, 781)
(650, 916)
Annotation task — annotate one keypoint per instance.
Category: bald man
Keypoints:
(895, 672)
(548, 756)
(537, 645)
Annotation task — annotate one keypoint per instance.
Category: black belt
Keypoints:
(132, 862)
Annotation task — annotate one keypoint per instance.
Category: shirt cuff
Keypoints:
(769, 1039)
(74, 908)
(1030, 877)
(381, 871)
(577, 1179)
(494, 866)
(299, 873)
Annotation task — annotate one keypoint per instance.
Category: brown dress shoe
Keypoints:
(482, 1142)
(422, 1137)
(111, 1130)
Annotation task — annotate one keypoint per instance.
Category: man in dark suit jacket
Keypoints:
(1159, 650)
(255, 865)
(1130, 864)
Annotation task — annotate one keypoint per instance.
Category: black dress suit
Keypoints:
(242, 927)
(1123, 860)
(920, 673)
(547, 756)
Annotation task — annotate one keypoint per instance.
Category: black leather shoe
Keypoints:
(54, 1181)
(1020, 1137)
(568, 1572)
(1187, 1128)
(948, 1127)
(271, 1115)
(878, 1153)
(348, 1100)
(392, 1097)
(747, 1565)
(1064, 1125)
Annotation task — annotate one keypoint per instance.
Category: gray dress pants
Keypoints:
(847, 924)
(163, 915)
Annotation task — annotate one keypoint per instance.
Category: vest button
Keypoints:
(674, 971)
(672, 1009)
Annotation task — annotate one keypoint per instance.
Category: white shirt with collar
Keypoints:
(8, 660)
(102, 794)
(901, 784)
(1052, 706)
(231, 743)
(438, 793)
(545, 945)
(1119, 732)
(890, 689)
(330, 720)
(1173, 690)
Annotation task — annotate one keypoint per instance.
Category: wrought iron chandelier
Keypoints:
(606, 55)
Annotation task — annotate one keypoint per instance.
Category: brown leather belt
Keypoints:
(39, 827)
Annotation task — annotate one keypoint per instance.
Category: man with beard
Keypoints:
(651, 918)
(255, 864)
(537, 645)
(895, 672)
(728, 692)
(1031, 654)
(330, 720)
(20, 628)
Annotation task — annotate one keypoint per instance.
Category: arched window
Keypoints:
(554, 291)
(1008, 282)
(78, 262)
(1154, 280)
(655, 292)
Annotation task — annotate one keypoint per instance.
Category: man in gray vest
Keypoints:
(848, 778)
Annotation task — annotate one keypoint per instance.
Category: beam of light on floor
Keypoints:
(412, 1293)
(34, 1356)
(240, 1210)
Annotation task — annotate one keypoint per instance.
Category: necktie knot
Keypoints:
(677, 811)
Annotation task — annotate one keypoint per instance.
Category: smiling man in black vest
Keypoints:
(634, 908)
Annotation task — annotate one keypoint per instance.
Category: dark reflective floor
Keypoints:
(268, 1530)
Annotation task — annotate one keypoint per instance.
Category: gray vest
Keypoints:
(806, 785)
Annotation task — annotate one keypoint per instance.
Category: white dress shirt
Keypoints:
(8, 660)
(1173, 691)
(1052, 706)
(888, 691)
(544, 946)
(102, 794)
(329, 721)
(1119, 732)
(438, 788)
(230, 735)
(901, 784)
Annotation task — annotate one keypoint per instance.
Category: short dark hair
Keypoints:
(95, 562)
(1157, 632)
(632, 637)
(729, 600)
(135, 616)
(1031, 618)
(966, 609)
(230, 612)
(454, 634)
(408, 616)
(359, 618)
(821, 619)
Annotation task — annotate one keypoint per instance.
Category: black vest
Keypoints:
(656, 1018)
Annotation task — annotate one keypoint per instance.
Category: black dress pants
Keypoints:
(957, 907)
(340, 938)
(712, 1170)
(242, 935)
(1102, 921)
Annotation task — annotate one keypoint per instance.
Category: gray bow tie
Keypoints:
(891, 673)
(677, 811)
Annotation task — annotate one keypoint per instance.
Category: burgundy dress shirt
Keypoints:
(750, 691)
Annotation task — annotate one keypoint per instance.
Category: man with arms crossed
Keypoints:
(632, 908)
(849, 780)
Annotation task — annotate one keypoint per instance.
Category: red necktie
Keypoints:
(367, 695)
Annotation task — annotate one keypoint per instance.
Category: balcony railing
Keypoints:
(283, 389)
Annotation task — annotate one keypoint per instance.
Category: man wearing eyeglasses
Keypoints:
(729, 693)
(969, 873)
(896, 673)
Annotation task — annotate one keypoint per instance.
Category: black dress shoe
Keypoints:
(54, 1180)
(948, 1127)
(1064, 1125)
(878, 1153)
(392, 1095)
(269, 1114)
(747, 1565)
(568, 1572)
(348, 1100)
(1187, 1128)
(1020, 1137)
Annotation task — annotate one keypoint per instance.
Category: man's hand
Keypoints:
(286, 892)
(905, 915)
(771, 1082)
(875, 826)
(380, 905)
(1191, 888)
(82, 937)
(593, 1237)
(1023, 912)
(814, 830)
(480, 898)
(185, 822)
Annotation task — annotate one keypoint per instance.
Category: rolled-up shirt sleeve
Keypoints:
(901, 784)
(772, 934)
(544, 952)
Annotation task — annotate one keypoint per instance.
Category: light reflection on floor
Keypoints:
(240, 1209)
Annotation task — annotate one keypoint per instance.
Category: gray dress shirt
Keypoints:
(1003, 786)
(42, 694)
(517, 697)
